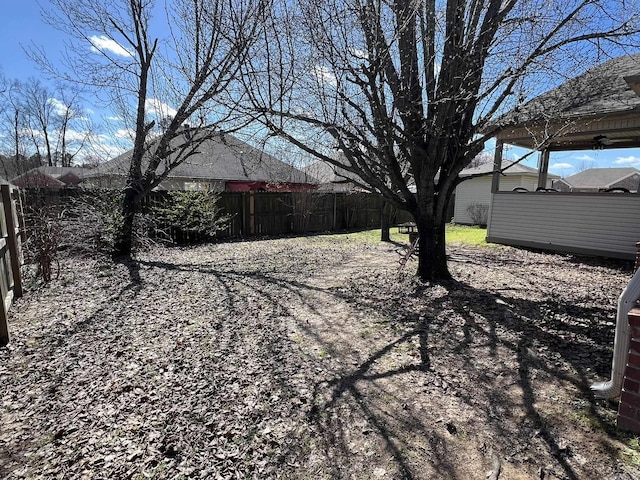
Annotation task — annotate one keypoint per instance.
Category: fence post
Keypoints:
(12, 238)
(252, 213)
(243, 214)
(4, 324)
(335, 212)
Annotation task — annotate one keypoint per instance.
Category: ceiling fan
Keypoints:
(602, 141)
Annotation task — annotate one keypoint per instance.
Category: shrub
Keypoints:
(45, 232)
(479, 213)
(190, 216)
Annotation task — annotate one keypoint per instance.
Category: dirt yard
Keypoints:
(314, 358)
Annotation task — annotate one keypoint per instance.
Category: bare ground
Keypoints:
(314, 358)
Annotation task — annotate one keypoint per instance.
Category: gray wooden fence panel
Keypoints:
(10, 255)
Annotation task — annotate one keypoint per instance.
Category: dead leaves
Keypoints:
(273, 359)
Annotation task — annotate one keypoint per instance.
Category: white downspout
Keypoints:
(626, 302)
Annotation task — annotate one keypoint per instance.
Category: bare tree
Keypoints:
(52, 128)
(585, 164)
(159, 84)
(13, 120)
(481, 159)
(39, 111)
(73, 128)
(407, 89)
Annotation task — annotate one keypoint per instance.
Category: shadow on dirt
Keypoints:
(489, 350)
(546, 338)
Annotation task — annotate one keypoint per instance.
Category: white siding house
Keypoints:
(589, 223)
(476, 191)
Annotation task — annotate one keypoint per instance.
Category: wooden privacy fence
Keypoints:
(272, 213)
(267, 213)
(285, 213)
(12, 232)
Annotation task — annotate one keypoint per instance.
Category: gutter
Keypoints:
(626, 301)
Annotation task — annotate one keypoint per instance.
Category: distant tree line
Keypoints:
(41, 124)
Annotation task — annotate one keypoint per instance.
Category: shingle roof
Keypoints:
(36, 178)
(57, 172)
(601, 90)
(513, 169)
(599, 177)
(10, 167)
(322, 172)
(327, 173)
(222, 157)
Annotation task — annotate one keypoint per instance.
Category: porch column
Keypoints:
(497, 166)
(544, 168)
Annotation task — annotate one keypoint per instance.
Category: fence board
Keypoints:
(10, 255)
(284, 213)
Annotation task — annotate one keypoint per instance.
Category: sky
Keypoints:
(23, 25)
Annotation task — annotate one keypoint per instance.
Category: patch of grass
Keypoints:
(467, 235)
(605, 421)
(461, 234)
(598, 418)
(631, 455)
(584, 417)
(323, 353)
(367, 236)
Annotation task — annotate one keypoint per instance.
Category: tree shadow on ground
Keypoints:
(545, 337)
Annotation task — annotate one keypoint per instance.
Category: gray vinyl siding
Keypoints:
(478, 190)
(605, 224)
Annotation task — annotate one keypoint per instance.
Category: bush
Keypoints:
(479, 213)
(45, 230)
(86, 222)
(94, 217)
(189, 216)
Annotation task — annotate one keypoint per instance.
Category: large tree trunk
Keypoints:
(432, 254)
(124, 237)
(385, 217)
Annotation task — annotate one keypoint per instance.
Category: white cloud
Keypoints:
(114, 119)
(630, 160)
(76, 136)
(102, 43)
(106, 151)
(585, 158)
(153, 106)
(324, 75)
(561, 166)
(59, 108)
(124, 133)
(358, 53)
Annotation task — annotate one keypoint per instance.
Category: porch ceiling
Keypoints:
(599, 109)
(612, 131)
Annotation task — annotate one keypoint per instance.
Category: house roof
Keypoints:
(222, 157)
(599, 177)
(57, 177)
(512, 168)
(600, 90)
(57, 172)
(36, 178)
(321, 171)
(578, 110)
(327, 173)
(11, 167)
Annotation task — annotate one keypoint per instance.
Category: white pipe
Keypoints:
(626, 302)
